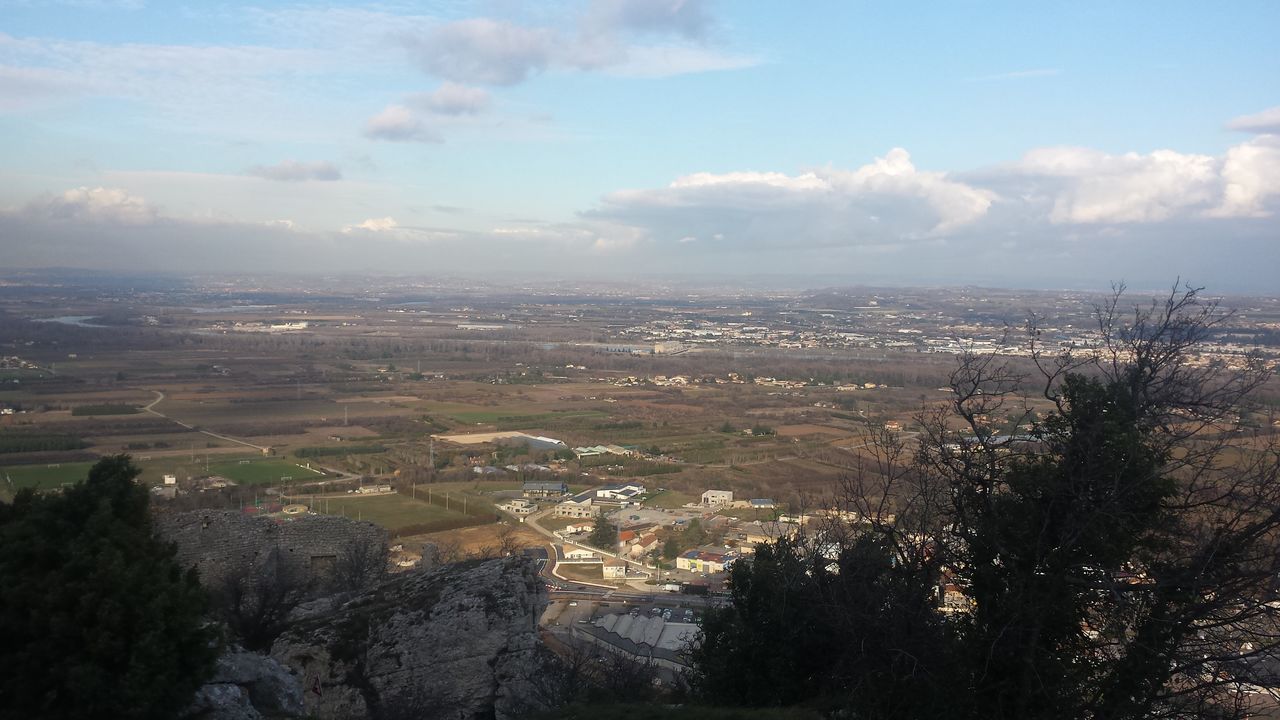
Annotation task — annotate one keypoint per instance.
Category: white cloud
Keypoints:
(297, 171)
(1251, 173)
(955, 203)
(398, 123)
(84, 204)
(1267, 121)
(825, 206)
(453, 99)
(384, 224)
(1085, 186)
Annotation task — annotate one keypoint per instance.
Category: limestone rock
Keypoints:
(221, 701)
(271, 688)
(459, 641)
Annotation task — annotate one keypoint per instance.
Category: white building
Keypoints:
(717, 498)
(578, 506)
(619, 492)
(572, 554)
(518, 507)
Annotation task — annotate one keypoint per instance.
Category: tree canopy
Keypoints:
(97, 619)
(1116, 559)
(604, 535)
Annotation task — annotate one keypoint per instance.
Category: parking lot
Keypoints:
(564, 612)
(639, 515)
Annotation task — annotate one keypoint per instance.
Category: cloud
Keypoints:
(385, 224)
(1086, 186)
(296, 171)
(1267, 121)
(1052, 198)
(887, 198)
(397, 123)
(99, 205)
(688, 18)
(1251, 173)
(192, 78)
(453, 99)
(671, 60)
(480, 50)
(494, 52)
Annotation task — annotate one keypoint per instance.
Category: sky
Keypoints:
(1017, 144)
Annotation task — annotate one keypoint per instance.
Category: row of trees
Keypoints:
(1121, 562)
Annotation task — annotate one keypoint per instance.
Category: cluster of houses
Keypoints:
(586, 504)
(592, 502)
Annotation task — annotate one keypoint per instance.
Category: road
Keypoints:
(532, 521)
(150, 407)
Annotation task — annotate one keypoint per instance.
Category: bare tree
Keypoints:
(255, 599)
(360, 563)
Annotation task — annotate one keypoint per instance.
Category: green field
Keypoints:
(393, 512)
(671, 499)
(41, 477)
(262, 472)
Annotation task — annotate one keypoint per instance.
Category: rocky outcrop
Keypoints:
(247, 686)
(455, 642)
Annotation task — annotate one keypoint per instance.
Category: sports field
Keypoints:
(41, 477)
(393, 512)
(262, 471)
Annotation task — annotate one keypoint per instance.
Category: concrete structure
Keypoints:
(642, 637)
(702, 561)
(578, 506)
(170, 479)
(717, 498)
(642, 545)
(620, 492)
(544, 489)
(518, 507)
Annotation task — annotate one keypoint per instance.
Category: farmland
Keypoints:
(394, 393)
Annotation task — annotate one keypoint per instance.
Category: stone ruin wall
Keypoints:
(218, 542)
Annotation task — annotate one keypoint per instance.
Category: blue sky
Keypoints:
(1002, 143)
